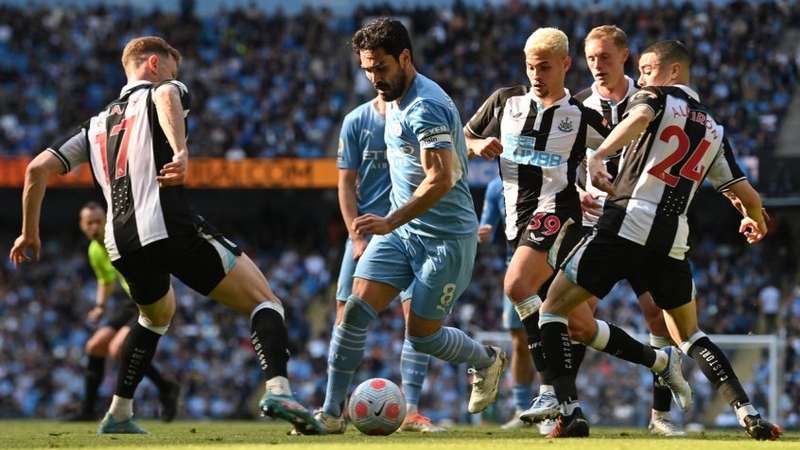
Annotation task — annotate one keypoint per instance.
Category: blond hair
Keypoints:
(613, 32)
(551, 40)
(138, 49)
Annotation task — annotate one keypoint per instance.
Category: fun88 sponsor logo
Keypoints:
(519, 149)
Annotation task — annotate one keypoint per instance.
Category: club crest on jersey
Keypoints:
(565, 125)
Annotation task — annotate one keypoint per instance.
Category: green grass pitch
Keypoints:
(271, 435)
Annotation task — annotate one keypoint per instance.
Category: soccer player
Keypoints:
(673, 144)
(427, 243)
(138, 154)
(606, 50)
(544, 133)
(108, 339)
(492, 216)
(364, 188)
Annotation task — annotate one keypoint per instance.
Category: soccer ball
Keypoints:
(377, 407)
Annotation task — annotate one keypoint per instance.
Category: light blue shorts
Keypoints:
(435, 271)
(511, 320)
(344, 287)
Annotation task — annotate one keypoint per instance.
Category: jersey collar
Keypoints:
(632, 88)
(689, 91)
(560, 102)
(132, 85)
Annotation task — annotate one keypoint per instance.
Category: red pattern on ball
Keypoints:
(362, 410)
(378, 384)
(393, 411)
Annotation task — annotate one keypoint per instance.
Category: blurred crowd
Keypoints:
(43, 329)
(269, 85)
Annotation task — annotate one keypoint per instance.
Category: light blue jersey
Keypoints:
(432, 256)
(361, 148)
(426, 118)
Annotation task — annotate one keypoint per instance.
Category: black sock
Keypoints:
(716, 367)
(137, 352)
(154, 375)
(531, 325)
(558, 353)
(271, 342)
(622, 345)
(95, 371)
(662, 396)
(578, 353)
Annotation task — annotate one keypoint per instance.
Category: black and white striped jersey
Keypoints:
(661, 171)
(126, 149)
(612, 112)
(542, 148)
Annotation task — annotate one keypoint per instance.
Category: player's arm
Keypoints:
(754, 223)
(487, 148)
(171, 118)
(39, 171)
(727, 177)
(482, 130)
(106, 280)
(348, 205)
(634, 124)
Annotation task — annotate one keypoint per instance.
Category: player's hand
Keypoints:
(485, 233)
(359, 245)
(174, 173)
(488, 148)
(371, 224)
(95, 314)
(590, 204)
(754, 230)
(601, 179)
(18, 254)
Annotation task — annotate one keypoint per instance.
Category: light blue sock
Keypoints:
(522, 394)
(453, 345)
(414, 367)
(346, 352)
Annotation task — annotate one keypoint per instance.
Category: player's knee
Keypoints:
(518, 289)
(96, 347)
(358, 313)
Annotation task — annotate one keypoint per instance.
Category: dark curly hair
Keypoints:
(384, 33)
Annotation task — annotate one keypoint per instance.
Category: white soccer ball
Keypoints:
(377, 407)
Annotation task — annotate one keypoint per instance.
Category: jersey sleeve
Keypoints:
(72, 149)
(186, 99)
(430, 124)
(649, 96)
(490, 215)
(348, 155)
(597, 128)
(485, 122)
(101, 264)
(725, 171)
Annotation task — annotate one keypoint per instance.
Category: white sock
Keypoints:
(279, 386)
(656, 414)
(121, 408)
(662, 359)
(546, 388)
(745, 410)
(411, 409)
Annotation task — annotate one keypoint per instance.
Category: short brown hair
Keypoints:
(139, 48)
(383, 33)
(615, 33)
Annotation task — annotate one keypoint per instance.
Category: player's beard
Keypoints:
(391, 91)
